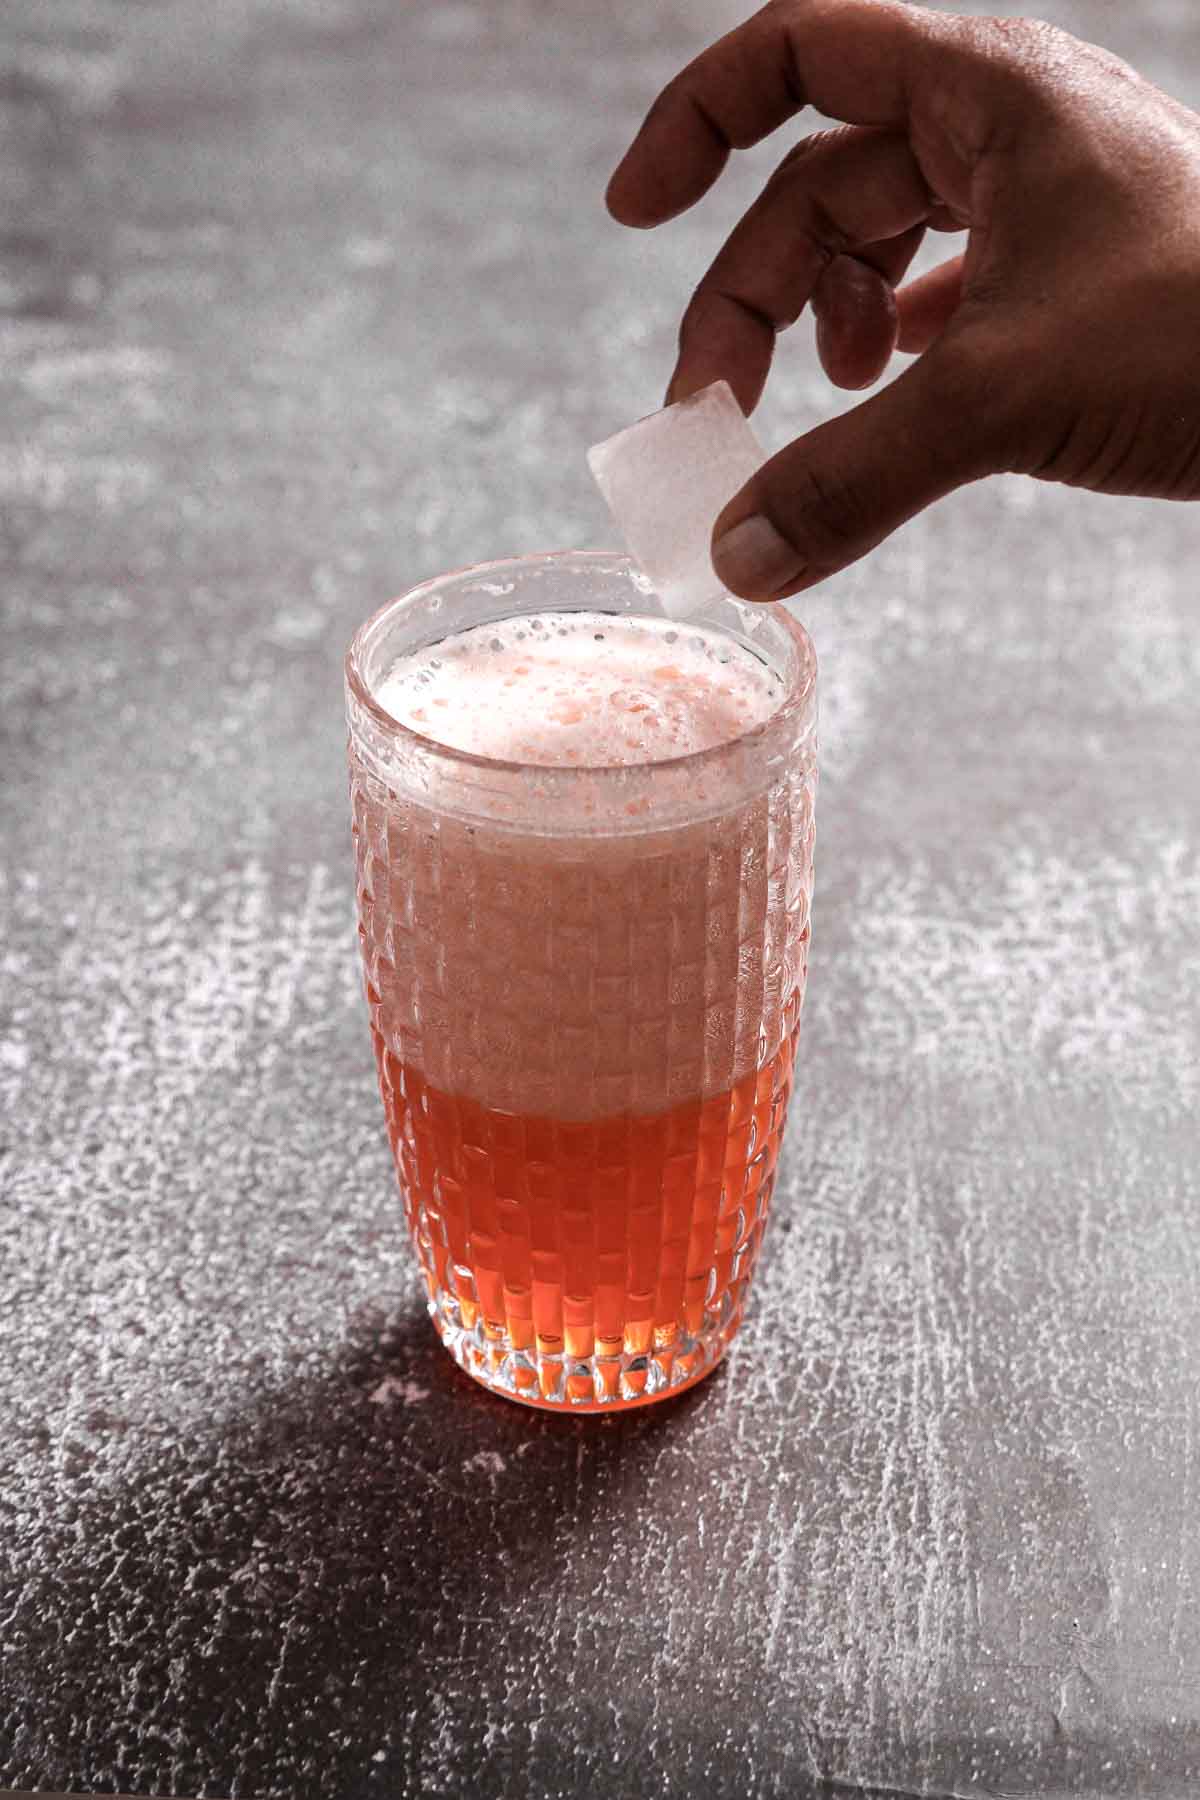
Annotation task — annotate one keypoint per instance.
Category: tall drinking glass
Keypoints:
(585, 987)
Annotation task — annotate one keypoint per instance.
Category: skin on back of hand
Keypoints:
(1062, 343)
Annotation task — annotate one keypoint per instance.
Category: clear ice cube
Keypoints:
(665, 480)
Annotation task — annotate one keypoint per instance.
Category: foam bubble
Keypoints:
(581, 689)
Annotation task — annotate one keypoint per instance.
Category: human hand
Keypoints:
(1064, 343)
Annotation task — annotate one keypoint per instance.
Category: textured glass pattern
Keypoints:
(585, 987)
(585, 1054)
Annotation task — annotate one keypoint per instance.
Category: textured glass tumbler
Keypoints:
(584, 988)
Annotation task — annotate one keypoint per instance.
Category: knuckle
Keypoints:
(717, 309)
(828, 509)
(1022, 46)
(818, 146)
(1016, 71)
(1041, 66)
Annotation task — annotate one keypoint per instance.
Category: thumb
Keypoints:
(835, 493)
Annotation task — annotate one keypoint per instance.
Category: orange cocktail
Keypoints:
(584, 839)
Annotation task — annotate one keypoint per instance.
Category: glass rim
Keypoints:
(798, 698)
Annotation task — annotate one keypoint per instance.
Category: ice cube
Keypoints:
(665, 480)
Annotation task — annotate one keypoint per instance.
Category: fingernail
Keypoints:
(752, 558)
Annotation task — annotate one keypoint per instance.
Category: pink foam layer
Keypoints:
(581, 689)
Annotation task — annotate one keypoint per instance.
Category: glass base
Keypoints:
(588, 1384)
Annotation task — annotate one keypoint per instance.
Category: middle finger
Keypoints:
(835, 193)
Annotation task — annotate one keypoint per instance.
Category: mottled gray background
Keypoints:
(323, 301)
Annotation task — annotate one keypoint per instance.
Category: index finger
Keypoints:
(855, 60)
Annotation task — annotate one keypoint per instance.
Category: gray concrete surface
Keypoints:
(331, 305)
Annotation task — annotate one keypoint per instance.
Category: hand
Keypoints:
(1064, 343)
